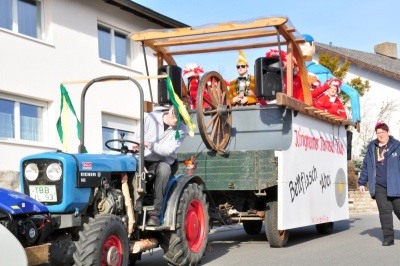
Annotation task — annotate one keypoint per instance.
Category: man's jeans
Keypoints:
(163, 172)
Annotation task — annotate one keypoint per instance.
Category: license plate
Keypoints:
(43, 193)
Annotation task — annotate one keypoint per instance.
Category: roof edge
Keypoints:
(147, 13)
(358, 62)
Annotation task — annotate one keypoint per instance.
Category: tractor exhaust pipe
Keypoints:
(143, 245)
(128, 203)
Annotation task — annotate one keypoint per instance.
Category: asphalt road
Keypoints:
(356, 241)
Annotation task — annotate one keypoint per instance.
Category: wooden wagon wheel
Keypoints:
(214, 116)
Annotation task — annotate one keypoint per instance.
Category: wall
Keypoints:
(359, 203)
(383, 90)
(35, 69)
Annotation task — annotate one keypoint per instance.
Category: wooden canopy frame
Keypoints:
(167, 43)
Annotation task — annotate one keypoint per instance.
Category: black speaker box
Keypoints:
(175, 74)
(267, 74)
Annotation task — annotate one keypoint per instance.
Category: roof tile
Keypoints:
(381, 64)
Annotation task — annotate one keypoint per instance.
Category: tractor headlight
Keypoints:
(31, 172)
(54, 172)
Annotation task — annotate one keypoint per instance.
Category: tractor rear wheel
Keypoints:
(103, 241)
(187, 244)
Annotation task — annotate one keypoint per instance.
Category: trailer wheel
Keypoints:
(325, 228)
(187, 244)
(252, 227)
(215, 120)
(276, 238)
(103, 241)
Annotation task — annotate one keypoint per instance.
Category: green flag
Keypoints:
(178, 104)
(68, 130)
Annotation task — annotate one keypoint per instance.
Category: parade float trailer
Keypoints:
(282, 163)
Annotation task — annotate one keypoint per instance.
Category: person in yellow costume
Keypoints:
(241, 89)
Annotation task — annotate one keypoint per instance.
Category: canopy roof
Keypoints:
(276, 31)
(235, 35)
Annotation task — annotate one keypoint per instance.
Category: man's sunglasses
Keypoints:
(240, 66)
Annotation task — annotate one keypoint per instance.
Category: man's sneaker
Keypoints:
(154, 219)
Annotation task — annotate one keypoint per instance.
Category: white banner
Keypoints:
(312, 178)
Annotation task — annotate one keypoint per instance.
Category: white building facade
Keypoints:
(382, 101)
(46, 43)
(383, 97)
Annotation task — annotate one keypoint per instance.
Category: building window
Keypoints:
(112, 127)
(22, 16)
(113, 133)
(7, 121)
(21, 120)
(114, 45)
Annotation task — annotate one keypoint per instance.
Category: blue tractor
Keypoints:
(98, 204)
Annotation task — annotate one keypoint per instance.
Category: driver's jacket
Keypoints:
(163, 142)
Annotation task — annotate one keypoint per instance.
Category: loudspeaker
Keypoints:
(267, 74)
(175, 74)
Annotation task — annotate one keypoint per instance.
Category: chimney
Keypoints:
(388, 49)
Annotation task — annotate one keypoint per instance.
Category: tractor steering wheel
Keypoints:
(124, 149)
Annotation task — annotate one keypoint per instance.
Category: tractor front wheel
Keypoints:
(103, 241)
(187, 244)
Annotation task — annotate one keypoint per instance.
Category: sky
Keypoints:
(352, 24)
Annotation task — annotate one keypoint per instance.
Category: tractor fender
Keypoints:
(172, 196)
(16, 203)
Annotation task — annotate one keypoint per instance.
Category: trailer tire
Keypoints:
(276, 238)
(325, 228)
(252, 227)
(103, 239)
(186, 245)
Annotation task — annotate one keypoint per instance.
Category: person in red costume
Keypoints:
(316, 88)
(330, 101)
(193, 73)
(297, 87)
